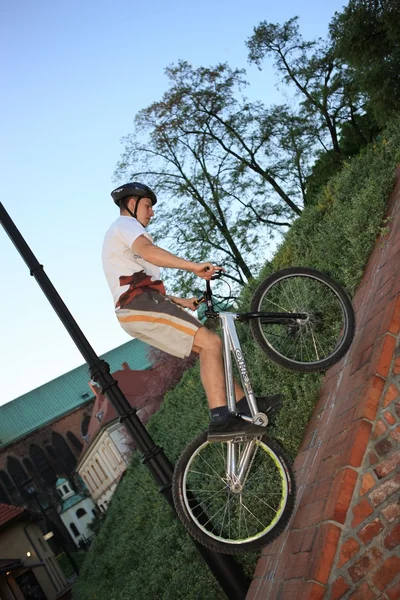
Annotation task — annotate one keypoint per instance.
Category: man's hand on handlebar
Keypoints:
(206, 270)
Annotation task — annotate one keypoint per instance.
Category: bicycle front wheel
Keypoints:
(226, 521)
(312, 343)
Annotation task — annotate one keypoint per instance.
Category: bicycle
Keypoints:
(237, 496)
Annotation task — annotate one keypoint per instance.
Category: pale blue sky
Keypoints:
(74, 74)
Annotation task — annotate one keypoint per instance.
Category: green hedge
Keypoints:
(141, 551)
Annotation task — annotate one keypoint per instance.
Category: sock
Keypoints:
(219, 414)
(243, 406)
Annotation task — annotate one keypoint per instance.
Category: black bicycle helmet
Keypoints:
(134, 188)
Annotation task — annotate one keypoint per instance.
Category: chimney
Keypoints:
(125, 366)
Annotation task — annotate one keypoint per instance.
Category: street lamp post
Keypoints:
(226, 570)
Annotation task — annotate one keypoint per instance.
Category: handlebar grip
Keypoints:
(199, 301)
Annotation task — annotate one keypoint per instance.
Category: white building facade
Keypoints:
(104, 462)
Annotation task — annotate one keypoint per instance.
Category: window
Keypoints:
(81, 512)
(74, 529)
(74, 441)
(113, 451)
(66, 489)
(101, 468)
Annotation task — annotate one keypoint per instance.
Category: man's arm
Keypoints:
(162, 258)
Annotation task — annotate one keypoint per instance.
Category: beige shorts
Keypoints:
(156, 320)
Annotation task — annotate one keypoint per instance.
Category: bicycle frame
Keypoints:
(237, 467)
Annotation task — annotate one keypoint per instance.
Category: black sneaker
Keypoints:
(233, 429)
(270, 405)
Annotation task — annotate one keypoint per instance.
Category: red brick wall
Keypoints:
(342, 541)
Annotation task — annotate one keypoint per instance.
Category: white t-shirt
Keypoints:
(125, 271)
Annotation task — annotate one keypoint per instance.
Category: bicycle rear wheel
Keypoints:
(315, 342)
(233, 523)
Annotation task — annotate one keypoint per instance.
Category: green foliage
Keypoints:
(366, 34)
(338, 232)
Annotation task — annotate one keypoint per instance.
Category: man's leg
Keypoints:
(212, 371)
(209, 347)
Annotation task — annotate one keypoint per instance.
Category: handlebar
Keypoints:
(203, 298)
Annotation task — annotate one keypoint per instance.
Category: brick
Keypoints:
(347, 551)
(263, 566)
(394, 326)
(397, 408)
(392, 539)
(311, 591)
(365, 564)
(383, 447)
(392, 393)
(339, 588)
(379, 429)
(323, 552)
(340, 495)
(396, 366)
(364, 592)
(394, 591)
(289, 590)
(391, 511)
(314, 513)
(360, 434)
(361, 511)
(369, 402)
(389, 418)
(367, 482)
(384, 491)
(388, 465)
(297, 565)
(372, 458)
(386, 572)
(369, 531)
(386, 355)
(396, 434)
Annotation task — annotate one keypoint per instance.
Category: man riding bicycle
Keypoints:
(131, 265)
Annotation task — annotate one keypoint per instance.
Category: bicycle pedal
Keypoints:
(261, 419)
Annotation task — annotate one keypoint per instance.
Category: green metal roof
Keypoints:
(63, 394)
(71, 501)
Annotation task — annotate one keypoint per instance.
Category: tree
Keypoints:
(366, 35)
(222, 162)
(320, 78)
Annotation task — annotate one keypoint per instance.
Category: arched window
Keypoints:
(74, 529)
(81, 512)
(64, 452)
(74, 441)
(4, 496)
(66, 489)
(85, 425)
(17, 474)
(42, 464)
(10, 488)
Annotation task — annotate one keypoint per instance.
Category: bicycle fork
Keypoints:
(237, 466)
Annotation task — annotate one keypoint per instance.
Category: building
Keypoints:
(107, 449)
(44, 433)
(76, 511)
(28, 567)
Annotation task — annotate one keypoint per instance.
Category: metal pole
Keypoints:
(226, 570)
